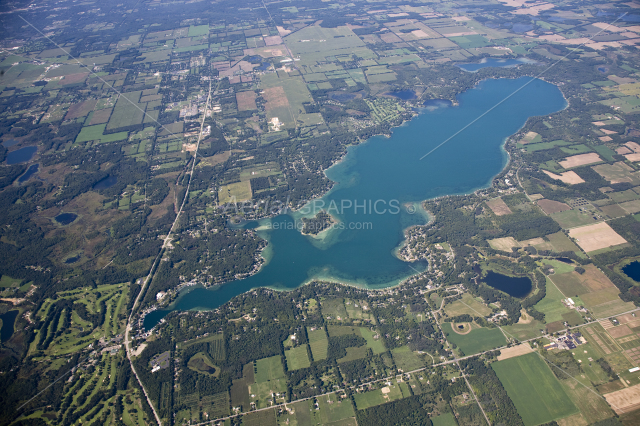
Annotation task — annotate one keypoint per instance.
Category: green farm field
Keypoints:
(478, 340)
(318, 343)
(269, 369)
(297, 358)
(537, 394)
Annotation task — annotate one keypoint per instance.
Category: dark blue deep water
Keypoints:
(21, 155)
(405, 95)
(387, 178)
(8, 319)
(105, 183)
(513, 286)
(632, 270)
(65, 218)
(33, 169)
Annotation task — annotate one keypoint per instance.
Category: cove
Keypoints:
(386, 179)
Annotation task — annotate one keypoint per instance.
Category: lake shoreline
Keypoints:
(401, 281)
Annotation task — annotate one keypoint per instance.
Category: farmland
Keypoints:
(535, 391)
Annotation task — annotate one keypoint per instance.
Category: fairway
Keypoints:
(534, 390)
(478, 340)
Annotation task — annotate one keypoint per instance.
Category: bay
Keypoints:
(379, 187)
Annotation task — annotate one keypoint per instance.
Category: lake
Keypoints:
(21, 155)
(30, 172)
(493, 62)
(632, 270)
(105, 183)
(66, 218)
(8, 319)
(405, 95)
(514, 286)
(379, 187)
(10, 142)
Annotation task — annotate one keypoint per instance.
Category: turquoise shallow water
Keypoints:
(379, 183)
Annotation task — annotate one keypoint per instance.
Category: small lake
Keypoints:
(33, 169)
(105, 183)
(405, 95)
(10, 142)
(21, 155)
(492, 62)
(73, 259)
(8, 319)
(632, 270)
(66, 218)
(564, 259)
(514, 286)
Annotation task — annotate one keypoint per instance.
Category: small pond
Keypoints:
(73, 259)
(632, 270)
(33, 169)
(514, 286)
(105, 183)
(21, 155)
(10, 142)
(405, 95)
(65, 218)
(8, 319)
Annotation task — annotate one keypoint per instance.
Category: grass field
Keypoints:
(467, 305)
(572, 218)
(95, 133)
(333, 409)
(406, 359)
(127, 112)
(376, 345)
(269, 369)
(297, 358)
(354, 353)
(561, 242)
(476, 341)
(551, 305)
(380, 396)
(537, 394)
(446, 419)
(533, 147)
(333, 309)
(318, 343)
(235, 192)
